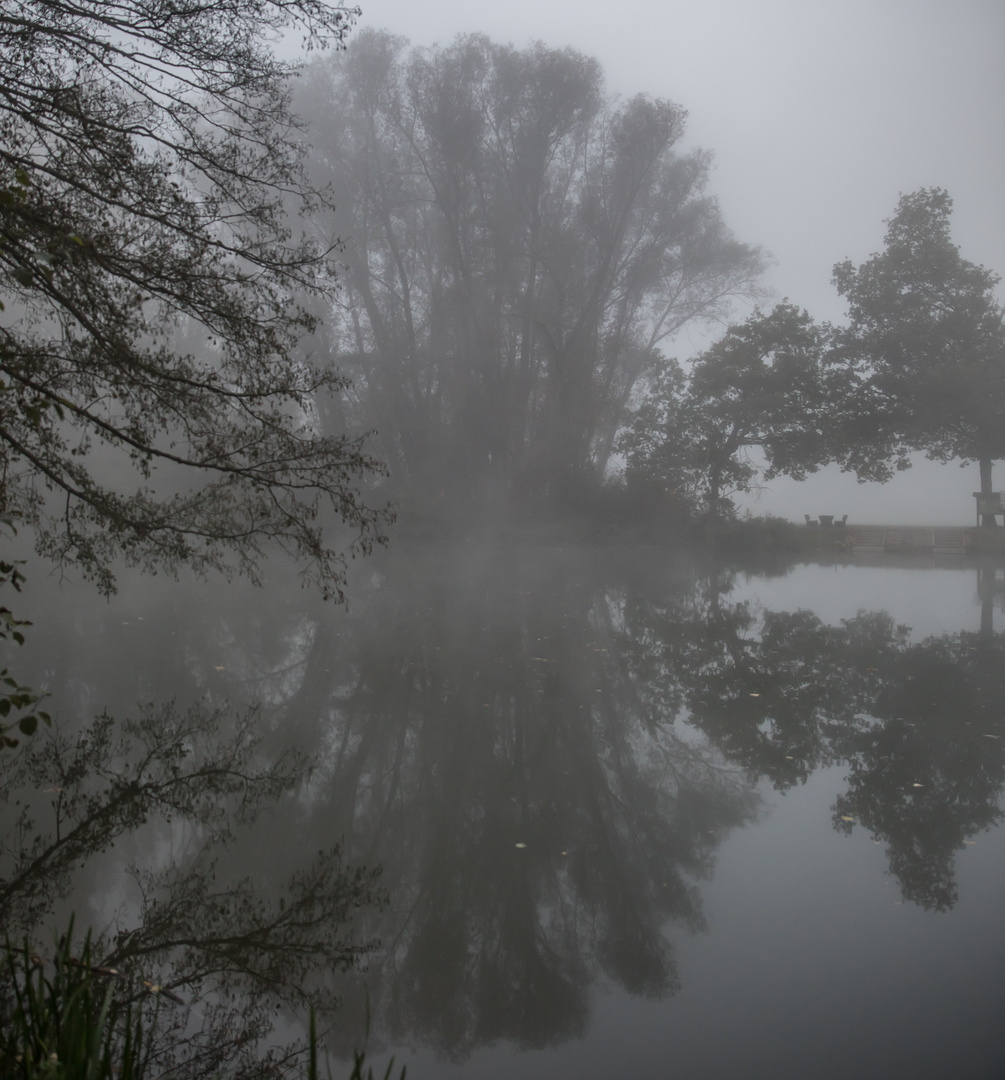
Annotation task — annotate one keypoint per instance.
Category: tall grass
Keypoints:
(61, 1020)
(359, 1062)
(67, 1025)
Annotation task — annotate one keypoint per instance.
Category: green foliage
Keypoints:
(923, 356)
(156, 402)
(62, 1021)
(763, 384)
(14, 697)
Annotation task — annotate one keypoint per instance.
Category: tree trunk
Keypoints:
(714, 486)
(986, 577)
(988, 521)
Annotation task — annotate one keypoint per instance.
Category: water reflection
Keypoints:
(174, 791)
(541, 751)
(537, 820)
(919, 725)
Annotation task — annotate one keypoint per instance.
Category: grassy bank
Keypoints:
(71, 1019)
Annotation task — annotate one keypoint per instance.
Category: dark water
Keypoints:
(632, 817)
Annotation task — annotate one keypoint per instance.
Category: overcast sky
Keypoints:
(820, 113)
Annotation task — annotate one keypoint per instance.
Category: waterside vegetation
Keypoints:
(195, 370)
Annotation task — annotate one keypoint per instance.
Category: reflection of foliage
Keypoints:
(927, 775)
(244, 944)
(106, 784)
(473, 702)
(537, 821)
(15, 698)
(785, 694)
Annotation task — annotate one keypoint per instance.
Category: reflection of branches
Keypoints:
(232, 933)
(242, 946)
(927, 772)
(106, 785)
(538, 821)
(785, 694)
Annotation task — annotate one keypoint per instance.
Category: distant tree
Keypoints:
(518, 246)
(924, 351)
(154, 403)
(763, 384)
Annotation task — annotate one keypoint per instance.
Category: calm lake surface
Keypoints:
(634, 817)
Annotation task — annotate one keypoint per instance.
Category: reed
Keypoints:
(61, 1020)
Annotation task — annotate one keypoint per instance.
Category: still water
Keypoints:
(631, 816)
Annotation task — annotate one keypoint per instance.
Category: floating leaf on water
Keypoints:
(845, 817)
(521, 844)
(753, 695)
(219, 667)
(917, 785)
(969, 841)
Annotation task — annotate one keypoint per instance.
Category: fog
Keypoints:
(819, 117)
(582, 779)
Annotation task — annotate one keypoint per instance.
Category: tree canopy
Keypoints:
(924, 349)
(155, 399)
(519, 243)
(762, 384)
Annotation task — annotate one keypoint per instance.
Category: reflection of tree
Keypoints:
(786, 693)
(537, 823)
(177, 789)
(928, 773)
(502, 732)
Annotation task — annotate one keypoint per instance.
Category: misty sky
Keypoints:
(820, 114)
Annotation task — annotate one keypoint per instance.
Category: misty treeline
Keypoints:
(518, 246)
(521, 250)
